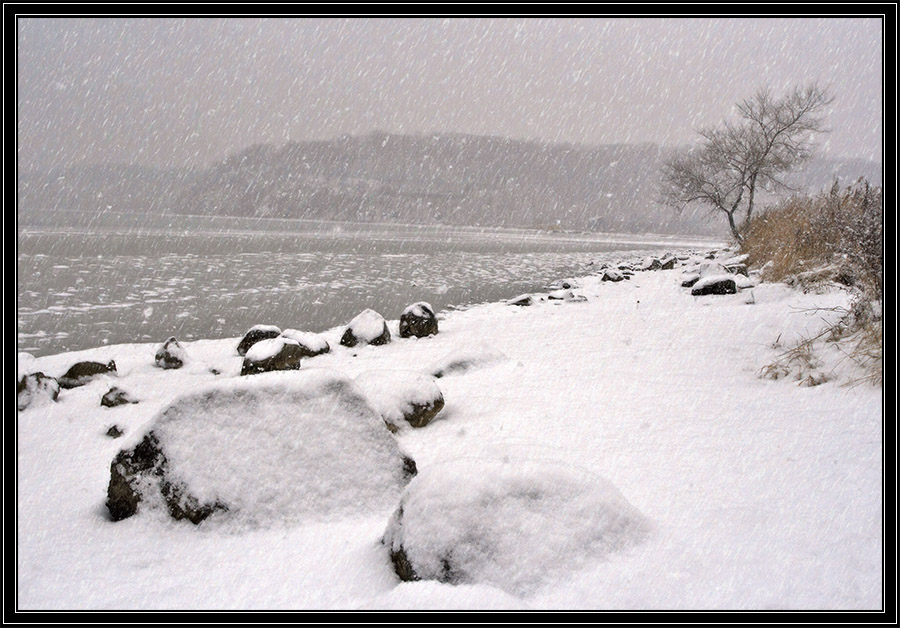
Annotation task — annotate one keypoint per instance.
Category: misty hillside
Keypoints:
(444, 179)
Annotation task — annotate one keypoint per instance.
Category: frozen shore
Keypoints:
(759, 494)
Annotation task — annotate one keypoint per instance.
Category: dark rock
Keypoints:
(171, 355)
(667, 263)
(612, 275)
(146, 462)
(737, 269)
(311, 344)
(114, 432)
(522, 301)
(714, 285)
(215, 371)
(254, 335)
(278, 354)
(402, 398)
(418, 320)
(83, 372)
(651, 263)
(35, 386)
(369, 327)
(690, 280)
(116, 397)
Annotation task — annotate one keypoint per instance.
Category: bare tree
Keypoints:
(736, 160)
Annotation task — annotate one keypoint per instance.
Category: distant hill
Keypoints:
(445, 179)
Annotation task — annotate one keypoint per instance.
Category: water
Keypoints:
(85, 281)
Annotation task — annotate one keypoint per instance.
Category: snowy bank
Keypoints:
(756, 494)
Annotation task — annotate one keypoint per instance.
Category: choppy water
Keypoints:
(88, 283)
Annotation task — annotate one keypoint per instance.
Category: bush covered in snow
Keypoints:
(274, 447)
(511, 524)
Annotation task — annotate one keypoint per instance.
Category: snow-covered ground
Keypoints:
(753, 493)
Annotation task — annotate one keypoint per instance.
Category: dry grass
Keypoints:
(813, 241)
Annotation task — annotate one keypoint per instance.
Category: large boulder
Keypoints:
(418, 320)
(255, 334)
(311, 344)
(83, 372)
(36, 389)
(402, 398)
(368, 328)
(273, 354)
(510, 524)
(170, 354)
(276, 448)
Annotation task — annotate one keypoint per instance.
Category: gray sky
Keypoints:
(176, 92)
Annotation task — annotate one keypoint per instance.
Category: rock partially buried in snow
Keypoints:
(612, 275)
(523, 300)
(36, 389)
(254, 335)
(715, 284)
(83, 372)
(668, 262)
(402, 398)
(276, 447)
(311, 344)
(273, 354)
(115, 396)
(418, 320)
(171, 355)
(514, 525)
(368, 328)
(464, 360)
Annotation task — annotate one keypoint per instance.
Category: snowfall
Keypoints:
(620, 451)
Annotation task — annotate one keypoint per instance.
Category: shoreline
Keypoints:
(767, 486)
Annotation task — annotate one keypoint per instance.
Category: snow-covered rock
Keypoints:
(83, 372)
(561, 295)
(612, 275)
(368, 328)
(523, 300)
(402, 398)
(311, 344)
(272, 354)
(650, 263)
(276, 447)
(171, 355)
(36, 389)
(511, 524)
(254, 335)
(689, 279)
(715, 284)
(668, 262)
(418, 320)
(115, 396)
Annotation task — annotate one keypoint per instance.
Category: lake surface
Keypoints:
(87, 280)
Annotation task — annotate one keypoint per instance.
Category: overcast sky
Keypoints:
(177, 92)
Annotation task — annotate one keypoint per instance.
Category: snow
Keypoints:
(759, 494)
